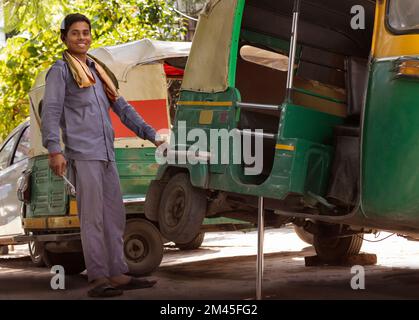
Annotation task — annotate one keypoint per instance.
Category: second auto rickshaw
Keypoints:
(335, 108)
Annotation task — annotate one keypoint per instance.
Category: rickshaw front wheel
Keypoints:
(331, 247)
(182, 209)
(143, 246)
(194, 244)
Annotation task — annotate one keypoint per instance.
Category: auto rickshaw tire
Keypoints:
(151, 206)
(36, 252)
(143, 246)
(194, 244)
(182, 209)
(4, 250)
(304, 235)
(331, 248)
(72, 262)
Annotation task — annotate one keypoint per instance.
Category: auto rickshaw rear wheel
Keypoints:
(331, 246)
(182, 209)
(304, 235)
(194, 244)
(72, 262)
(143, 246)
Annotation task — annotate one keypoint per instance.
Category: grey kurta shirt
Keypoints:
(83, 116)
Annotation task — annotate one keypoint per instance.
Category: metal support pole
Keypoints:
(259, 261)
(293, 49)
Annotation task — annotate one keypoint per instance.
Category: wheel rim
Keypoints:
(33, 251)
(32, 247)
(176, 207)
(136, 248)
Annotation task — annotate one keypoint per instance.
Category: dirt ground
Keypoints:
(225, 268)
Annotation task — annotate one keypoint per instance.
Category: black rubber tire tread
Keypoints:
(332, 249)
(195, 205)
(194, 244)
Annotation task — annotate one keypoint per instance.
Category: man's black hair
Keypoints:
(69, 20)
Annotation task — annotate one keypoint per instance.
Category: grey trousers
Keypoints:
(102, 217)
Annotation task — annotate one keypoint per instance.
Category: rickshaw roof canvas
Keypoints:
(121, 58)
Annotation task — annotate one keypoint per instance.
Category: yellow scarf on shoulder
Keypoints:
(84, 77)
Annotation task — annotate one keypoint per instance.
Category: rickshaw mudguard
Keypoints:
(198, 173)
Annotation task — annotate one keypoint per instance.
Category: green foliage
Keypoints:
(36, 44)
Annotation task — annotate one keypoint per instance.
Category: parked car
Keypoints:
(14, 155)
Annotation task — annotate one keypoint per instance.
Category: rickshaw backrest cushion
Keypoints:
(356, 80)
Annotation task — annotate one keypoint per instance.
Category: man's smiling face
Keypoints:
(78, 38)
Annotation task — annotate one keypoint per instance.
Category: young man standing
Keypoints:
(79, 92)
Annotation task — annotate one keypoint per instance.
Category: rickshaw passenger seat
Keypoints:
(356, 81)
(356, 78)
(343, 185)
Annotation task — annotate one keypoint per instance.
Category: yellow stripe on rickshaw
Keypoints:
(63, 222)
(206, 103)
(73, 208)
(285, 147)
(51, 223)
(35, 223)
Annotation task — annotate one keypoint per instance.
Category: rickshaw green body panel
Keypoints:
(302, 170)
(48, 195)
(390, 153)
(136, 168)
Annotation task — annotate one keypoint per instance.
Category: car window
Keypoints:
(6, 152)
(22, 150)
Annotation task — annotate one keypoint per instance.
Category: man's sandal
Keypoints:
(104, 290)
(136, 283)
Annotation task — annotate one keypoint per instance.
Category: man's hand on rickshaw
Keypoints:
(58, 164)
(158, 142)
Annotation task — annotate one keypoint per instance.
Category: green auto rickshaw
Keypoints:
(329, 89)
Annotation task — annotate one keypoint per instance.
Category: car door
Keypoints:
(13, 161)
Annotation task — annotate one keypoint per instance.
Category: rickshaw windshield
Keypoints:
(403, 16)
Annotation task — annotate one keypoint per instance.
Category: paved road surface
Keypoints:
(224, 268)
